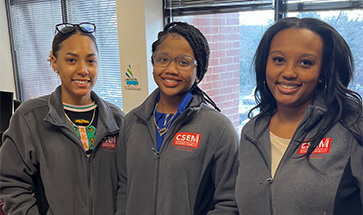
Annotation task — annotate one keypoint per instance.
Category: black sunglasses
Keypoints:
(85, 27)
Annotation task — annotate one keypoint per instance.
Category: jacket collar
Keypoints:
(145, 110)
(312, 115)
(56, 112)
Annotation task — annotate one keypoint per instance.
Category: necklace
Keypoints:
(93, 117)
(167, 124)
(85, 133)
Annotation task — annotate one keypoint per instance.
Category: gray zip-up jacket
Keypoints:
(44, 168)
(335, 186)
(193, 173)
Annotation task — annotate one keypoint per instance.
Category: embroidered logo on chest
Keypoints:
(186, 141)
(109, 142)
(322, 148)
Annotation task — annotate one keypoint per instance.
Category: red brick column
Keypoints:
(221, 82)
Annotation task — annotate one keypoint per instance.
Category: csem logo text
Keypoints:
(187, 139)
(323, 147)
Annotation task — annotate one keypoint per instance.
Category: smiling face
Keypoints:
(77, 66)
(173, 82)
(293, 67)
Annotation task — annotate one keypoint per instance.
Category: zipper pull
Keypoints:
(269, 180)
(156, 153)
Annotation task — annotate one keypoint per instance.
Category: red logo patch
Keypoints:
(109, 142)
(323, 147)
(187, 139)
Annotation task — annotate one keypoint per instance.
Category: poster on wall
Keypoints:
(131, 73)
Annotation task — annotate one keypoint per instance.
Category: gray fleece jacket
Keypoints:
(335, 186)
(194, 171)
(44, 168)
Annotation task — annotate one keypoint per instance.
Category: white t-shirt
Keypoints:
(278, 148)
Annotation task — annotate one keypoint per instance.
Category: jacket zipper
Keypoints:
(90, 190)
(88, 166)
(158, 155)
(88, 159)
(89, 173)
(268, 180)
(178, 124)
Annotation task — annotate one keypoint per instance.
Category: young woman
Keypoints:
(180, 154)
(59, 153)
(303, 154)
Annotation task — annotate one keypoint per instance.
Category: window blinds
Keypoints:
(103, 14)
(32, 30)
(196, 7)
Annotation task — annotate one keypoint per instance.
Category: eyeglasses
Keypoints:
(66, 28)
(182, 62)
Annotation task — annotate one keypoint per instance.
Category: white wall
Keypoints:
(139, 22)
(6, 66)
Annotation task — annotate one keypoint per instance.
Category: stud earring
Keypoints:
(325, 88)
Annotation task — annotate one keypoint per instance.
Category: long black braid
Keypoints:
(199, 45)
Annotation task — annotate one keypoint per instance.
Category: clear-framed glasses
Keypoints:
(85, 27)
(182, 62)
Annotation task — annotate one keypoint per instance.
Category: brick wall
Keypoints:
(221, 82)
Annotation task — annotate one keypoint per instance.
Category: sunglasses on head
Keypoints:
(85, 27)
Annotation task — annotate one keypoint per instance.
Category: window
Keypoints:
(349, 25)
(234, 29)
(31, 24)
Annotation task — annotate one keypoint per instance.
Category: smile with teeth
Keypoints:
(289, 86)
(170, 81)
(81, 81)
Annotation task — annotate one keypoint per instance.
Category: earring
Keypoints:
(197, 80)
(324, 89)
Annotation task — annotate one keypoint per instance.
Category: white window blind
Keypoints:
(199, 7)
(32, 30)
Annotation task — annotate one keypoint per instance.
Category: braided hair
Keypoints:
(197, 42)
